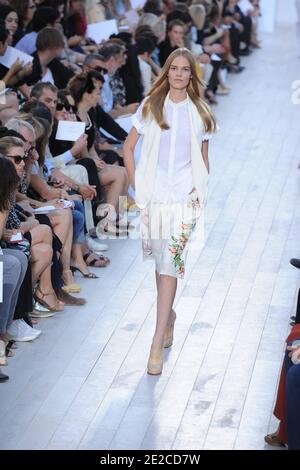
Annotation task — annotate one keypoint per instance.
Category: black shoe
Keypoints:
(245, 52)
(3, 377)
(235, 68)
(295, 262)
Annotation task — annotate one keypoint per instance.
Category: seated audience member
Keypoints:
(42, 18)
(11, 21)
(14, 261)
(174, 39)
(145, 47)
(111, 60)
(85, 90)
(46, 64)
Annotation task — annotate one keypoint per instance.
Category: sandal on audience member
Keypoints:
(97, 261)
(52, 308)
(69, 287)
(88, 275)
(272, 440)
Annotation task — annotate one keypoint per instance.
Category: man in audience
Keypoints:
(102, 118)
(111, 59)
(175, 39)
(46, 65)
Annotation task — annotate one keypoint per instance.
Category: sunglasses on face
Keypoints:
(18, 158)
(66, 106)
(97, 69)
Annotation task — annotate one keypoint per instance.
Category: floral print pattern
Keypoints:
(177, 246)
(179, 242)
(173, 249)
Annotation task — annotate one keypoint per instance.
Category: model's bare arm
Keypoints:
(128, 151)
(205, 153)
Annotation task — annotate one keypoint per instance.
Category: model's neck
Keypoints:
(177, 95)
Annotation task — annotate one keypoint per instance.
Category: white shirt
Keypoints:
(48, 77)
(173, 179)
(146, 73)
(246, 6)
(107, 94)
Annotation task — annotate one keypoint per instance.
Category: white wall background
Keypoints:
(277, 12)
(268, 19)
(286, 12)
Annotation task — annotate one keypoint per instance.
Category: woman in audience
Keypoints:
(25, 10)
(85, 90)
(61, 220)
(39, 236)
(11, 21)
(287, 401)
(14, 261)
(42, 18)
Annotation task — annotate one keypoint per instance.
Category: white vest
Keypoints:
(146, 167)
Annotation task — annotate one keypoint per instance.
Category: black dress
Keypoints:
(24, 304)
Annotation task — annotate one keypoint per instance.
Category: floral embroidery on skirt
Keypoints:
(169, 250)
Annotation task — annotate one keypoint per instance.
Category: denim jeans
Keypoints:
(78, 223)
(15, 267)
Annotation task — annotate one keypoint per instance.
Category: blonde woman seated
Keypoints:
(39, 236)
(61, 220)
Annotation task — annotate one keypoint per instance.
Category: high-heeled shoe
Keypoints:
(88, 275)
(40, 299)
(169, 334)
(155, 361)
(69, 288)
(3, 360)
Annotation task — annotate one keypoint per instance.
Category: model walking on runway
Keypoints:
(170, 180)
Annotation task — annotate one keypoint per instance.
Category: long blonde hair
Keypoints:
(154, 103)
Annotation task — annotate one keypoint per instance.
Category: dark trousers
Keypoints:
(246, 34)
(298, 308)
(92, 171)
(235, 42)
(292, 388)
(214, 79)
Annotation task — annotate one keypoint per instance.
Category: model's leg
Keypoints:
(167, 286)
(165, 299)
(168, 339)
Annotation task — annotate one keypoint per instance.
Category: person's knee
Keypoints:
(12, 265)
(46, 233)
(43, 252)
(293, 378)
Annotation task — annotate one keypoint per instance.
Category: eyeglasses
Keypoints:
(18, 158)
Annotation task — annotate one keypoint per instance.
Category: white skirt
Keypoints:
(166, 230)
